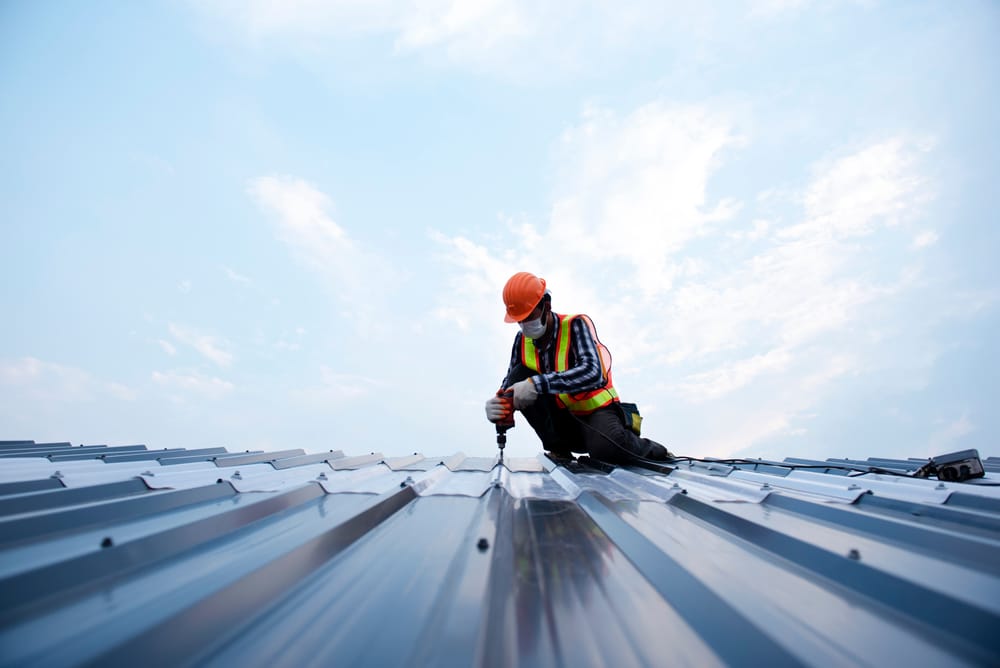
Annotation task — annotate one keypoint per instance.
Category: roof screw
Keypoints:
(57, 474)
(854, 485)
(218, 481)
(676, 486)
(237, 476)
(940, 485)
(149, 473)
(483, 545)
(497, 484)
(107, 542)
(766, 485)
(408, 481)
(321, 476)
(854, 554)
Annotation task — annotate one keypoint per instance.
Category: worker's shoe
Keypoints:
(656, 452)
(563, 455)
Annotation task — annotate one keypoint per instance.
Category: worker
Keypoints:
(560, 374)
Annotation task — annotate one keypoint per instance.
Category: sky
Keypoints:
(270, 225)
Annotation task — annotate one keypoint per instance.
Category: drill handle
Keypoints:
(507, 421)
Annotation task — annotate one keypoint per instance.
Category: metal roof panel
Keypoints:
(288, 558)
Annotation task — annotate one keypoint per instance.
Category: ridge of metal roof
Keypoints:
(207, 557)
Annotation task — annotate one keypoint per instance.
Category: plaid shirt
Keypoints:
(584, 372)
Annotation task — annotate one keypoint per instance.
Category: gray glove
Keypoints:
(495, 409)
(524, 393)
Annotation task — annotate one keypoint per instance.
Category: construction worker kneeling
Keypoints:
(560, 375)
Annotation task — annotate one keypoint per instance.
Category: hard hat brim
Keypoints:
(518, 317)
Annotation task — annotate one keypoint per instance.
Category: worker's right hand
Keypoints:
(496, 408)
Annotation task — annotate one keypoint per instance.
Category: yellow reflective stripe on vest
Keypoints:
(529, 354)
(582, 402)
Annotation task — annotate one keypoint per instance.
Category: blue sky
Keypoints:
(270, 225)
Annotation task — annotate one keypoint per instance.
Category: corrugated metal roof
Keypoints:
(119, 555)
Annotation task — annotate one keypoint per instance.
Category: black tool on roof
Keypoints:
(953, 467)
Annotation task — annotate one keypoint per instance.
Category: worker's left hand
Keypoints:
(496, 409)
(524, 393)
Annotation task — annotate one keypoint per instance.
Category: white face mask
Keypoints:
(533, 329)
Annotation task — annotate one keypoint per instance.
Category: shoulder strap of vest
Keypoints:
(563, 341)
(529, 353)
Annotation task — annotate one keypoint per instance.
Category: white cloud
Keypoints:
(192, 383)
(758, 230)
(524, 40)
(465, 26)
(335, 387)
(849, 197)
(736, 432)
(949, 434)
(767, 9)
(41, 381)
(236, 277)
(209, 346)
(261, 18)
(121, 391)
(634, 188)
(803, 284)
(520, 38)
(184, 287)
(168, 347)
(361, 278)
(772, 7)
(304, 223)
(925, 239)
(722, 380)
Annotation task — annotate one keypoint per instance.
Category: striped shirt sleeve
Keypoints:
(515, 360)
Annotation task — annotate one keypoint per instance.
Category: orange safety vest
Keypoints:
(580, 403)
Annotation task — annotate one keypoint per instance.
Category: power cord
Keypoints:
(853, 471)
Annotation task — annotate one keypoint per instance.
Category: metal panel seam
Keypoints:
(223, 613)
(725, 630)
(936, 614)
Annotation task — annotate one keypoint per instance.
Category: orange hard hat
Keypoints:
(521, 295)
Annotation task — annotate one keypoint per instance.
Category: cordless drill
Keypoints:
(507, 421)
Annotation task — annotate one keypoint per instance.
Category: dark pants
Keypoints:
(602, 434)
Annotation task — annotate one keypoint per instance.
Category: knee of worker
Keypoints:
(607, 438)
(606, 451)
